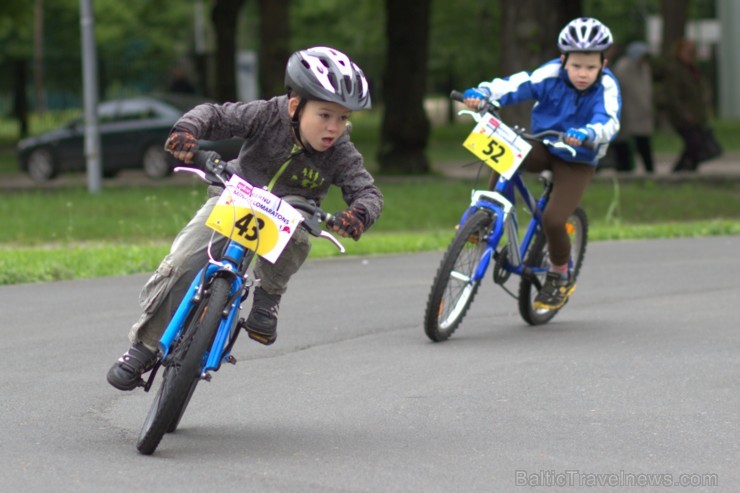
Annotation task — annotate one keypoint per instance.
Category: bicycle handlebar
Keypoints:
(215, 171)
(483, 106)
(487, 106)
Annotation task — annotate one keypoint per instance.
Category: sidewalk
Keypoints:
(20, 181)
(726, 167)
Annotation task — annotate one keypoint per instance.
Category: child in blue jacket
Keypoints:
(575, 94)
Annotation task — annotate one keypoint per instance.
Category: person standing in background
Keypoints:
(180, 83)
(637, 124)
(687, 104)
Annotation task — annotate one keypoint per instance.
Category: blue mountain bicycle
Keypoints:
(205, 327)
(488, 232)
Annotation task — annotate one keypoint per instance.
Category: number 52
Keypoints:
(494, 147)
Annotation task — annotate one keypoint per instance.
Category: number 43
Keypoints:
(249, 226)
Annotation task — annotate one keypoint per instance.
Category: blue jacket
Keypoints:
(560, 106)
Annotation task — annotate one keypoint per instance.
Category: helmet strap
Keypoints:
(295, 123)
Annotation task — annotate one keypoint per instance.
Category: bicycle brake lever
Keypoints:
(559, 145)
(199, 172)
(331, 238)
(206, 176)
(312, 226)
(476, 116)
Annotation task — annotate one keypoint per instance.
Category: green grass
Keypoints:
(68, 233)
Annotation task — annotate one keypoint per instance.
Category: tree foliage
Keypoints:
(434, 46)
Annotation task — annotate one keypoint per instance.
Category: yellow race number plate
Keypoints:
(497, 145)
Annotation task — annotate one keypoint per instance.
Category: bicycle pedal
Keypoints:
(147, 384)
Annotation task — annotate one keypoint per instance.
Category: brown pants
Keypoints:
(569, 182)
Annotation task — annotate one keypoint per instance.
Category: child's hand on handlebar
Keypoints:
(577, 136)
(349, 223)
(182, 145)
(474, 97)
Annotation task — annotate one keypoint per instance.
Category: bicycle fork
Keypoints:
(510, 257)
(225, 336)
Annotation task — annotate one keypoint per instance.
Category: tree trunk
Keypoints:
(225, 16)
(529, 38)
(38, 57)
(675, 15)
(20, 98)
(274, 51)
(405, 127)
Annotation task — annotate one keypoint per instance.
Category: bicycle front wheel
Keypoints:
(184, 369)
(537, 256)
(453, 288)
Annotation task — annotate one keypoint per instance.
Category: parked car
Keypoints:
(132, 136)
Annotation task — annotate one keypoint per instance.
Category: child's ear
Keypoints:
(293, 105)
(562, 58)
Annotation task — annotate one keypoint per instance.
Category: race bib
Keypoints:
(497, 145)
(255, 218)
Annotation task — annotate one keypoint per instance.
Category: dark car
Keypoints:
(132, 136)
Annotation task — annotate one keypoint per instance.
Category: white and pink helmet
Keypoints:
(585, 34)
(325, 74)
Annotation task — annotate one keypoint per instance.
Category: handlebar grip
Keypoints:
(456, 96)
(482, 105)
(202, 158)
(589, 144)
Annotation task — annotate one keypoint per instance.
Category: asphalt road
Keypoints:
(637, 381)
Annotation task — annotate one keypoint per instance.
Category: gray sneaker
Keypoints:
(554, 292)
(125, 374)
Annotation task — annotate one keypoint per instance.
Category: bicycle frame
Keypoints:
(491, 214)
(502, 204)
(233, 264)
(228, 266)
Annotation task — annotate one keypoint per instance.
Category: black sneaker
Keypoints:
(261, 325)
(554, 292)
(125, 374)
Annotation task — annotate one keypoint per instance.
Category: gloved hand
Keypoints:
(476, 97)
(579, 134)
(477, 93)
(181, 144)
(349, 222)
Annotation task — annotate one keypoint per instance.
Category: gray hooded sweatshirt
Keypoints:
(269, 156)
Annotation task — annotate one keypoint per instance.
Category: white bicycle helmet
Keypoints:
(585, 34)
(327, 74)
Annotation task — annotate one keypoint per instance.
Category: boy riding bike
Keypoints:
(295, 145)
(575, 94)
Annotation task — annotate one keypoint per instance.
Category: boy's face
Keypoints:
(583, 69)
(322, 123)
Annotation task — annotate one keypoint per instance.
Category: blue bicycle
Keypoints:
(488, 233)
(205, 327)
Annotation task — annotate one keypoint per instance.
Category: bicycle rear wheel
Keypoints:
(536, 256)
(453, 289)
(184, 368)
